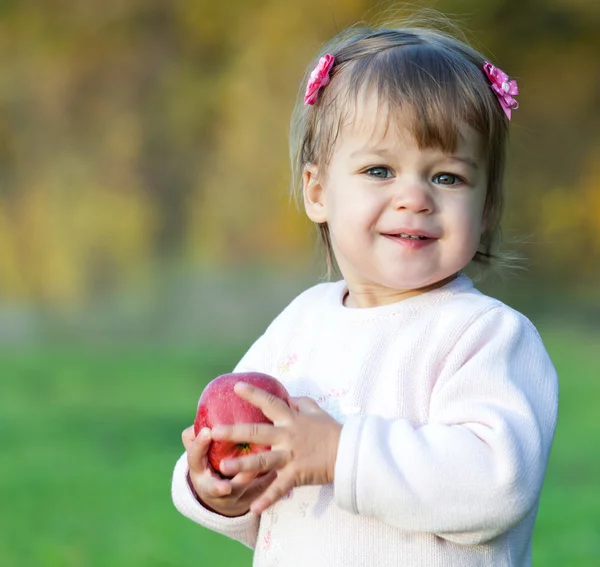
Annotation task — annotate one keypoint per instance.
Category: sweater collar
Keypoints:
(339, 289)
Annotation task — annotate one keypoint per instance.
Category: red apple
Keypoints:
(220, 405)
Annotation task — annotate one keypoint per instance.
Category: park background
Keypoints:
(147, 237)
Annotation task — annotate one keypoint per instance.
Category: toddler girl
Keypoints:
(423, 410)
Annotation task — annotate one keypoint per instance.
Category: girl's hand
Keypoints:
(228, 497)
(304, 441)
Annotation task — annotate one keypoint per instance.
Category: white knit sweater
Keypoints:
(449, 405)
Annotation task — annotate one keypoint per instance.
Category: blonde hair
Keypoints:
(438, 78)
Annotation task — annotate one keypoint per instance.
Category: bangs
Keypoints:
(431, 92)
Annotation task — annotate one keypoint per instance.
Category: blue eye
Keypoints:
(379, 172)
(447, 179)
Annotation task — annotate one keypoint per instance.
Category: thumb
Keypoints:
(197, 449)
(188, 436)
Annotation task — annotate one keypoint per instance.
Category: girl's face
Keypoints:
(402, 220)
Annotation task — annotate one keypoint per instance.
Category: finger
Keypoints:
(198, 448)
(259, 485)
(242, 480)
(275, 492)
(215, 487)
(188, 436)
(307, 405)
(257, 463)
(207, 483)
(273, 407)
(257, 433)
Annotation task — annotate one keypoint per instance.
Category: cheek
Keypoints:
(469, 218)
(354, 210)
(352, 224)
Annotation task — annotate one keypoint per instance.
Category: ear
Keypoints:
(313, 192)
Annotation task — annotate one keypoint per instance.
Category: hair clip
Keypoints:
(318, 78)
(504, 89)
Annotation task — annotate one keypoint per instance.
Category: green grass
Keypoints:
(568, 528)
(89, 440)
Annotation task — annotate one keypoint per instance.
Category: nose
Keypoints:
(412, 195)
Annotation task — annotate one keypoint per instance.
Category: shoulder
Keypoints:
(321, 294)
(467, 306)
(495, 345)
(468, 318)
(495, 333)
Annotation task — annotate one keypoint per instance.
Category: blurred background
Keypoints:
(147, 236)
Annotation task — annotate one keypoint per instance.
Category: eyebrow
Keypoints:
(371, 152)
(464, 159)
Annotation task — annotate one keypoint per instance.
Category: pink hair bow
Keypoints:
(318, 78)
(505, 90)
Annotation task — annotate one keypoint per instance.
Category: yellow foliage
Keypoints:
(153, 128)
(11, 278)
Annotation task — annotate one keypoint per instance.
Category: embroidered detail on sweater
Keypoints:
(267, 541)
(338, 403)
(270, 546)
(303, 508)
(287, 363)
(335, 393)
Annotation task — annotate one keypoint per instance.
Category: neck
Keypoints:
(361, 296)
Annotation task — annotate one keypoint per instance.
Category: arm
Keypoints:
(476, 468)
(243, 528)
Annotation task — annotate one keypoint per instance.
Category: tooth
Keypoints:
(411, 237)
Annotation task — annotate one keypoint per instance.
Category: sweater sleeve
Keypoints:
(243, 528)
(476, 468)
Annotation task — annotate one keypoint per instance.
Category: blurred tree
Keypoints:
(135, 132)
